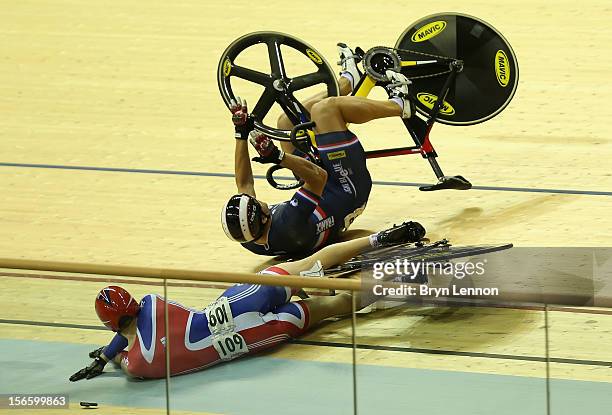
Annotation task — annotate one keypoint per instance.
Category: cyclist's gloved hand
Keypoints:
(243, 121)
(265, 147)
(94, 369)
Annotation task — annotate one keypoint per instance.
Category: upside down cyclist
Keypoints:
(334, 193)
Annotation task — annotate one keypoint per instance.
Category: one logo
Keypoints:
(227, 67)
(294, 202)
(336, 155)
(314, 56)
(502, 69)
(428, 31)
(429, 101)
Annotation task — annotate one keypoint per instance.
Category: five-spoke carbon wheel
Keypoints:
(278, 86)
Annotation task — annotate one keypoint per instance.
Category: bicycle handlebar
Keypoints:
(293, 136)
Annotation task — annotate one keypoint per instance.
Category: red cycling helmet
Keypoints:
(116, 307)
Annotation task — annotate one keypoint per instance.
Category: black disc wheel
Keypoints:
(482, 88)
(278, 87)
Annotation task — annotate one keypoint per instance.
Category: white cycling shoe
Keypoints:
(398, 92)
(348, 62)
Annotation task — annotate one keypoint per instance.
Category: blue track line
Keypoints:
(259, 176)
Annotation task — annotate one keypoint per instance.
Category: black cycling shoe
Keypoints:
(401, 234)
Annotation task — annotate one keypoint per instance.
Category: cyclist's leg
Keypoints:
(293, 319)
(284, 123)
(321, 308)
(333, 113)
(324, 307)
(285, 322)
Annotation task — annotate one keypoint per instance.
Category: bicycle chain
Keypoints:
(420, 53)
(428, 76)
(423, 54)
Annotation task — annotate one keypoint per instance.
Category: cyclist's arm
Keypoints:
(314, 176)
(242, 169)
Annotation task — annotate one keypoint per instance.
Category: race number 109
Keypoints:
(230, 346)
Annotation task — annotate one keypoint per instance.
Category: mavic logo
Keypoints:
(502, 69)
(429, 100)
(314, 56)
(428, 31)
(227, 67)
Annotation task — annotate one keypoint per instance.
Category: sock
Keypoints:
(349, 76)
(374, 241)
(398, 101)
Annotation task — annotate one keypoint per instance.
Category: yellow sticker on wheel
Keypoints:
(429, 100)
(428, 31)
(314, 56)
(502, 68)
(227, 67)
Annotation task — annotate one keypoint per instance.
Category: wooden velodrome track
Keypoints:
(132, 85)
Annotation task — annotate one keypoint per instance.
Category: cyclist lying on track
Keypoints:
(333, 194)
(245, 319)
